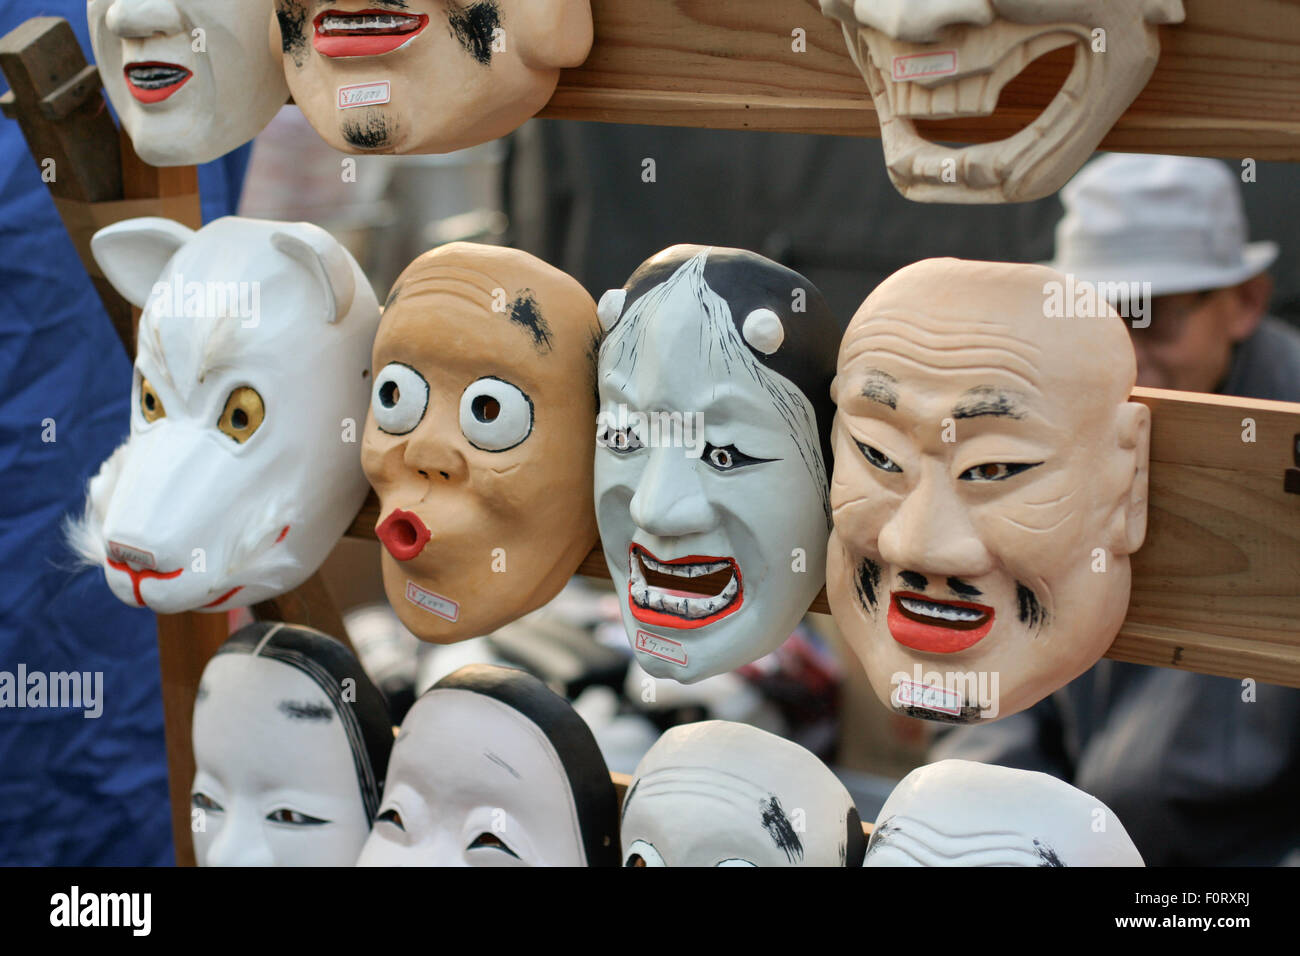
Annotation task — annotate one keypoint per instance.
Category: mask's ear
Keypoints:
(133, 253)
(552, 34)
(324, 259)
(1134, 438)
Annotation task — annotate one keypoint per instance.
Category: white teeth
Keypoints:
(944, 612)
(692, 608)
(684, 570)
(379, 24)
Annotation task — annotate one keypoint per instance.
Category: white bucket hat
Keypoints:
(1174, 221)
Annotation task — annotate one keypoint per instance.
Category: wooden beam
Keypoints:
(1228, 81)
(1216, 586)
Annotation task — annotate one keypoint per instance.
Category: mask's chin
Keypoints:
(1006, 170)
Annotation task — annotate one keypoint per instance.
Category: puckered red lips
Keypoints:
(403, 534)
(154, 81)
(696, 590)
(341, 33)
(937, 627)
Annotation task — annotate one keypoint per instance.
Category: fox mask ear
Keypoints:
(324, 259)
(134, 252)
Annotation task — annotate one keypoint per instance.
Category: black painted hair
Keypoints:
(328, 663)
(748, 281)
(594, 797)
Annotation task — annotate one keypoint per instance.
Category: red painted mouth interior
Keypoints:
(361, 33)
(154, 81)
(702, 586)
(932, 634)
(403, 534)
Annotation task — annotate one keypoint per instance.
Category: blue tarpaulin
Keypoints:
(72, 790)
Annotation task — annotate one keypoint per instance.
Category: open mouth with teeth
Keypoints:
(683, 593)
(366, 32)
(916, 107)
(937, 627)
(154, 82)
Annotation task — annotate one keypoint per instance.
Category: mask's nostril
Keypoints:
(445, 475)
(423, 473)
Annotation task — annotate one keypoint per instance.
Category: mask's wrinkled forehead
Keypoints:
(678, 342)
(925, 844)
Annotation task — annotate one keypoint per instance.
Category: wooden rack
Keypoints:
(1215, 587)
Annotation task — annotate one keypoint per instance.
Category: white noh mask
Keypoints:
(191, 80)
(949, 59)
(291, 742)
(712, 458)
(491, 768)
(718, 793)
(251, 383)
(959, 813)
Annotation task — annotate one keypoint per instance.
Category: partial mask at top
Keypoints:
(190, 79)
(719, 793)
(959, 813)
(990, 485)
(291, 743)
(712, 457)
(248, 396)
(478, 441)
(426, 76)
(492, 768)
(951, 59)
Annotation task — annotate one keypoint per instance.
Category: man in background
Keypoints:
(73, 790)
(1199, 773)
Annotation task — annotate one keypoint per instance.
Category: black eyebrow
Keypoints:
(306, 710)
(524, 312)
(985, 400)
(880, 387)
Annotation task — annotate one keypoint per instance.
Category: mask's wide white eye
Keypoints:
(495, 415)
(641, 853)
(735, 861)
(400, 397)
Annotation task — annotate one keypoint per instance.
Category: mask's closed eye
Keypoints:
(490, 841)
(203, 802)
(294, 818)
(996, 470)
(877, 457)
(393, 817)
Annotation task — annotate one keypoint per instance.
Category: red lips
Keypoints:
(403, 534)
(930, 632)
(155, 81)
(340, 33)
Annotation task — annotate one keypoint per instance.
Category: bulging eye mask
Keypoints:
(959, 813)
(492, 768)
(426, 76)
(712, 455)
(478, 440)
(250, 387)
(718, 793)
(990, 484)
(191, 80)
(291, 743)
(947, 59)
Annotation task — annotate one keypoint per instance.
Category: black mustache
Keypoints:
(1029, 609)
